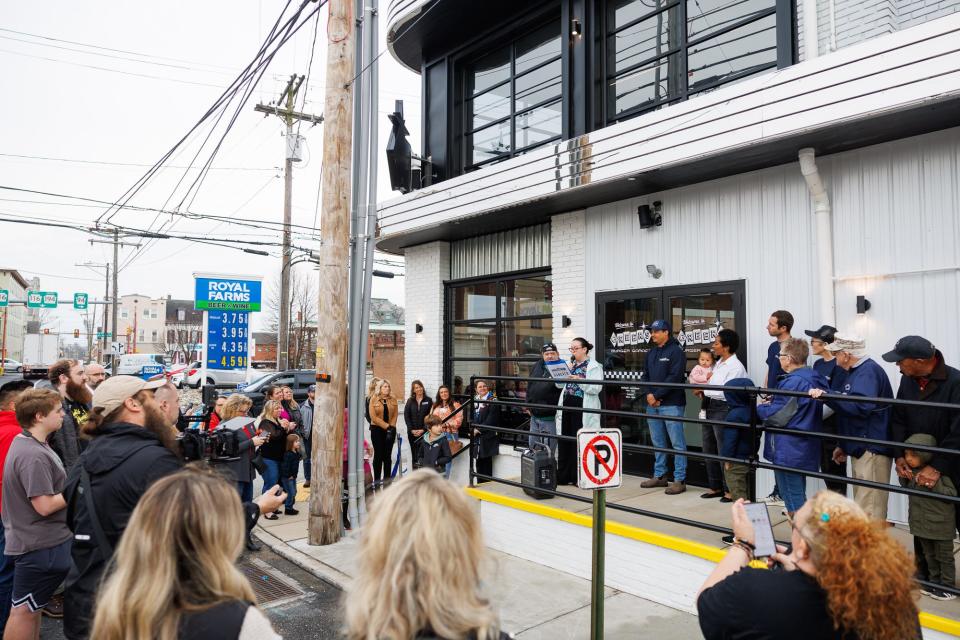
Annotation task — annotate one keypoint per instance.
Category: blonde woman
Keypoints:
(174, 575)
(371, 391)
(406, 587)
(268, 425)
(383, 431)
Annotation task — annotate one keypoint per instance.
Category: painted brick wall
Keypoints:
(567, 232)
(842, 23)
(426, 266)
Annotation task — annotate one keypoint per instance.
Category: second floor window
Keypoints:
(662, 51)
(511, 97)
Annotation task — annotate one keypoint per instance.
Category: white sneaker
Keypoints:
(774, 499)
(938, 594)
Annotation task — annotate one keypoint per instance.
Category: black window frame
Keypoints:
(498, 321)
(784, 29)
(462, 129)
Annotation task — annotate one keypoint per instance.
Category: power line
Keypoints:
(94, 46)
(127, 164)
(99, 68)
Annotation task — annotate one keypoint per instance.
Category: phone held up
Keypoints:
(762, 529)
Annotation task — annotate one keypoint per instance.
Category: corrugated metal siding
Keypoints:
(513, 250)
(896, 208)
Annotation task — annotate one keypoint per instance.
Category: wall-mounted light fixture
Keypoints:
(863, 305)
(650, 216)
(565, 321)
(654, 271)
(576, 29)
(418, 328)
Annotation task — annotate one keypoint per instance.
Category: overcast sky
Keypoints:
(71, 102)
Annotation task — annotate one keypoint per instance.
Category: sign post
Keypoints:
(599, 455)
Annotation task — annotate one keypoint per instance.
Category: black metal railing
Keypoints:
(755, 427)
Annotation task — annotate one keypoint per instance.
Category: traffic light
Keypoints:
(76, 333)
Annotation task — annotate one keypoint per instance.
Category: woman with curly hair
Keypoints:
(845, 578)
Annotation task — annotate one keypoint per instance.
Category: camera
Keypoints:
(218, 446)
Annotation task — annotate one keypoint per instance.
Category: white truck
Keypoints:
(40, 351)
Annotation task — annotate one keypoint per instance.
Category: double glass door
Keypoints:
(695, 313)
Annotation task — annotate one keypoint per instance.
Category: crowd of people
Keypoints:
(80, 460)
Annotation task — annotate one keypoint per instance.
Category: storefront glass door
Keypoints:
(696, 313)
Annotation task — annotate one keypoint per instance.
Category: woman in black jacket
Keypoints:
(417, 408)
(272, 451)
(489, 441)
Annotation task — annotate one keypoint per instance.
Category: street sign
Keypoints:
(101, 335)
(34, 299)
(49, 299)
(4, 297)
(80, 301)
(599, 452)
(118, 348)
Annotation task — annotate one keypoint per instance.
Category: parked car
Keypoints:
(142, 365)
(216, 376)
(297, 379)
(12, 366)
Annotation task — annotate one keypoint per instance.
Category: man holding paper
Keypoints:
(666, 363)
(545, 392)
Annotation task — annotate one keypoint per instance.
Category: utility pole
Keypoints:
(116, 269)
(324, 520)
(289, 117)
(106, 298)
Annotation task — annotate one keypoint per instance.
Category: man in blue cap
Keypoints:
(666, 363)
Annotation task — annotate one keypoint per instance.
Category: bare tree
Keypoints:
(303, 317)
(181, 338)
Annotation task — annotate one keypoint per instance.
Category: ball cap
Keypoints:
(911, 347)
(111, 393)
(312, 387)
(826, 333)
(850, 343)
(549, 347)
(659, 325)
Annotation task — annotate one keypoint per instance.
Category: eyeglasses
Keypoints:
(572, 349)
(783, 355)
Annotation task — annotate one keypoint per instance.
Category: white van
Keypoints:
(142, 365)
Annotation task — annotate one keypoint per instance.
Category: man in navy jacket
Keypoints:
(666, 362)
(865, 378)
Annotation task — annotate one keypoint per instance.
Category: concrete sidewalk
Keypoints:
(533, 601)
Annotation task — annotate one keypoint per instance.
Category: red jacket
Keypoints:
(9, 429)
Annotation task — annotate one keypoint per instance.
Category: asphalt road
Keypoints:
(314, 615)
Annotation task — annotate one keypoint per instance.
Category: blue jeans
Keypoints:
(446, 470)
(6, 581)
(543, 425)
(290, 486)
(793, 489)
(660, 431)
(246, 491)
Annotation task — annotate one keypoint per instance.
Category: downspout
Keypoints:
(811, 40)
(823, 234)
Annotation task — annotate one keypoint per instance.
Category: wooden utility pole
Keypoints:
(289, 117)
(326, 482)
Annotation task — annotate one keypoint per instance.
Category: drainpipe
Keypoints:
(824, 235)
(811, 40)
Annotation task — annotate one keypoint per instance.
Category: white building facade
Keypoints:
(512, 246)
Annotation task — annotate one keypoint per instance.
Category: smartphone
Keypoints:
(762, 529)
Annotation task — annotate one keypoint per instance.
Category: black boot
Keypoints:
(252, 545)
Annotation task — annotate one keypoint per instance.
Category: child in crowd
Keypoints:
(289, 470)
(435, 448)
(932, 521)
(702, 373)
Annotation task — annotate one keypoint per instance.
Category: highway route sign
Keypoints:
(599, 456)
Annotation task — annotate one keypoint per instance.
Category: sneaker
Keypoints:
(727, 539)
(936, 594)
(54, 608)
(673, 488)
(653, 483)
(774, 499)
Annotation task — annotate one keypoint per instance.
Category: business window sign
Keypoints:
(228, 337)
(227, 294)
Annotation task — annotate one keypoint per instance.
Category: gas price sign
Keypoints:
(228, 339)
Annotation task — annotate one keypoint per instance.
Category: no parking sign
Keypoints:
(599, 455)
